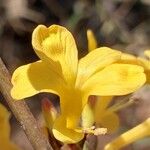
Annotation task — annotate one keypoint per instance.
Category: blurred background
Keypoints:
(120, 24)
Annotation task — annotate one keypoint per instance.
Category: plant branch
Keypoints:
(22, 113)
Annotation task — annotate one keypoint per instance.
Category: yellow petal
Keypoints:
(115, 79)
(87, 116)
(109, 120)
(130, 59)
(5, 143)
(56, 46)
(101, 107)
(147, 72)
(71, 103)
(146, 64)
(94, 62)
(140, 131)
(147, 53)
(102, 103)
(92, 43)
(103, 117)
(34, 78)
(64, 134)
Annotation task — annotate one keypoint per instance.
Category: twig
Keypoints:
(22, 113)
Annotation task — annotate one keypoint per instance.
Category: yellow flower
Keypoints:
(104, 116)
(125, 58)
(107, 118)
(59, 71)
(140, 131)
(5, 143)
(101, 114)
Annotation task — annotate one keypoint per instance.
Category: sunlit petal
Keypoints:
(34, 78)
(57, 47)
(94, 62)
(116, 79)
(87, 116)
(130, 59)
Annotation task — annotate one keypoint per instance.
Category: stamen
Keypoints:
(100, 131)
(92, 130)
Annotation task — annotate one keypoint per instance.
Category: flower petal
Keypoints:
(87, 116)
(64, 134)
(71, 104)
(102, 103)
(104, 117)
(101, 107)
(115, 79)
(34, 78)
(56, 46)
(95, 61)
(146, 64)
(92, 43)
(109, 120)
(5, 143)
(147, 53)
(130, 59)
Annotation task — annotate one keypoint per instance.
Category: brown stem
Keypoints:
(22, 113)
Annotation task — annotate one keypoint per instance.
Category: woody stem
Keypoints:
(22, 113)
